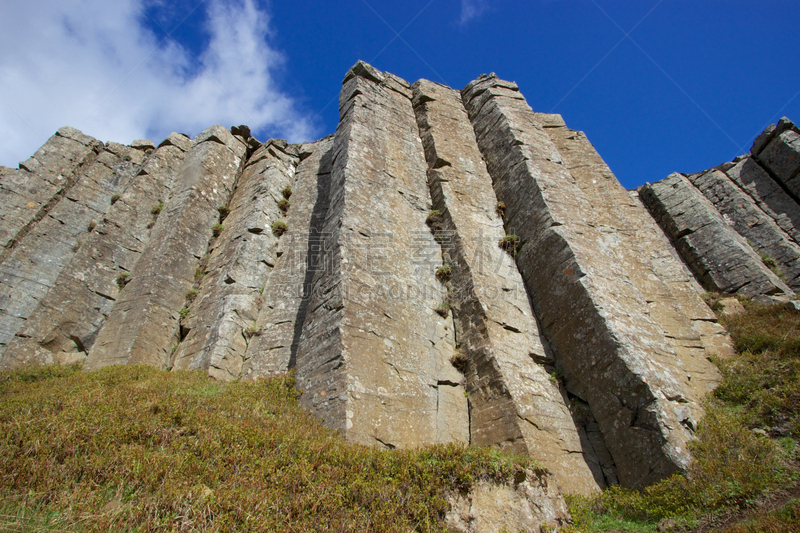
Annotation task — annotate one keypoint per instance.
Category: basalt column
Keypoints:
(673, 303)
(30, 269)
(373, 359)
(143, 326)
(273, 346)
(514, 402)
(221, 318)
(66, 323)
(614, 356)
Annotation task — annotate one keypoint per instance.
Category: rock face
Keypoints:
(448, 267)
(737, 226)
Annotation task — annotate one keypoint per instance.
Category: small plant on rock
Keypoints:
(279, 228)
(444, 273)
(510, 243)
(286, 192)
(191, 294)
(443, 308)
(122, 279)
(500, 209)
(434, 218)
(156, 209)
(184, 312)
(224, 211)
(284, 205)
(217, 230)
(114, 198)
(92, 225)
(460, 361)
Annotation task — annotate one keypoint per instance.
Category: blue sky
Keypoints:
(657, 85)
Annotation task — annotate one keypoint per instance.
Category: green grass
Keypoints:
(746, 446)
(131, 448)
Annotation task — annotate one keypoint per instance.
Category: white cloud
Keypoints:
(471, 9)
(93, 65)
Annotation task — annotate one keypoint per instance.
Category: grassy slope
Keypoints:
(133, 448)
(744, 474)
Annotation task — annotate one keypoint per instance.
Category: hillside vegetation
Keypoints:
(136, 449)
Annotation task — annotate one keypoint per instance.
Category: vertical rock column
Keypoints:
(28, 193)
(749, 221)
(613, 355)
(66, 323)
(32, 267)
(513, 403)
(143, 326)
(373, 350)
(778, 151)
(286, 295)
(720, 258)
(221, 320)
(673, 303)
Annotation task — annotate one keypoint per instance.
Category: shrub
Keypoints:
(279, 228)
(217, 230)
(122, 279)
(444, 273)
(156, 209)
(284, 205)
(510, 243)
(287, 192)
(114, 198)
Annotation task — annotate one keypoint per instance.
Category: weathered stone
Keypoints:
(530, 504)
(768, 195)
(731, 307)
(32, 267)
(719, 257)
(513, 403)
(221, 320)
(742, 213)
(28, 194)
(782, 158)
(143, 326)
(613, 355)
(143, 144)
(763, 139)
(289, 287)
(66, 323)
(242, 131)
(373, 352)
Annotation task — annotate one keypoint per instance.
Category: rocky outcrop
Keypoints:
(737, 225)
(143, 326)
(66, 323)
(513, 402)
(447, 267)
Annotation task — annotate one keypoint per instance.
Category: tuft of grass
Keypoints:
(224, 211)
(444, 273)
(217, 230)
(443, 309)
(122, 279)
(156, 209)
(510, 243)
(191, 294)
(184, 312)
(92, 225)
(434, 218)
(286, 192)
(284, 204)
(133, 448)
(500, 209)
(114, 198)
(460, 360)
(279, 228)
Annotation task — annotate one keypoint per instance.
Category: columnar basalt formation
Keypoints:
(737, 225)
(447, 267)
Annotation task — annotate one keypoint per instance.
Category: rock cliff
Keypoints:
(449, 266)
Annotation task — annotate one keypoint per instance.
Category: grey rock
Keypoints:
(743, 214)
(143, 144)
(618, 360)
(782, 158)
(793, 305)
(143, 326)
(221, 320)
(763, 139)
(289, 286)
(720, 258)
(513, 403)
